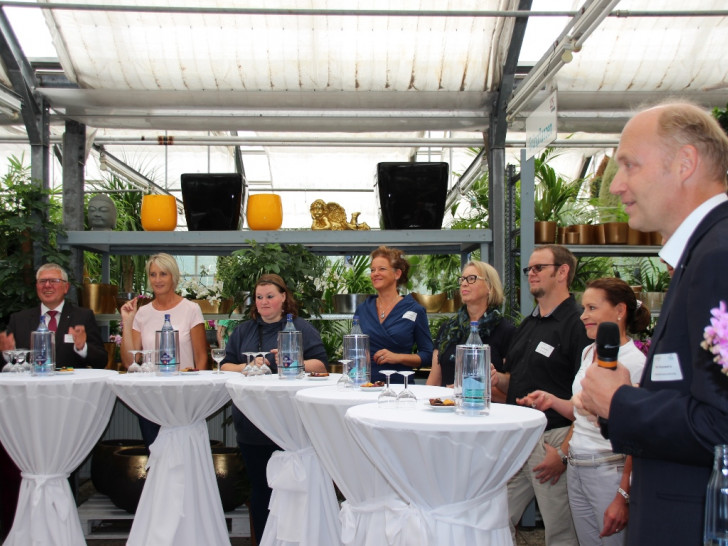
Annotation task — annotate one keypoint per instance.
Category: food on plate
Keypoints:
(65, 369)
(318, 374)
(441, 402)
(369, 384)
(188, 370)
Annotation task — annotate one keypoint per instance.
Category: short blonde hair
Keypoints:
(166, 263)
(488, 272)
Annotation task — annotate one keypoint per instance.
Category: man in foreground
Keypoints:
(672, 161)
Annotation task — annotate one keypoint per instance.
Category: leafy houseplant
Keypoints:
(29, 216)
(552, 192)
(299, 267)
(194, 289)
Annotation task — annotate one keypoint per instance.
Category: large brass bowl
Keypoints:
(431, 302)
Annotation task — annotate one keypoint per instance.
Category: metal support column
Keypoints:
(528, 173)
(74, 163)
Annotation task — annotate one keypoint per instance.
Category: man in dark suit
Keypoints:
(672, 161)
(78, 338)
(78, 345)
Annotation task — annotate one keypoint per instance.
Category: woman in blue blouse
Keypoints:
(395, 324)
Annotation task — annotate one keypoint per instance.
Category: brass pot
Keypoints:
(586, 234)
(544, 232)
(101, 461)
(431, 302)
(100, 298)
(452, 305)
(615, 233)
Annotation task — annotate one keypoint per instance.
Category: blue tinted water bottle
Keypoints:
(472, 362)
(290, 351)
(355, 327)
(715, 532)
(42, 350)
(473, 340)
(167, 346)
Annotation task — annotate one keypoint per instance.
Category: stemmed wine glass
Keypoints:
(253, 368)
(388, 397)
(246, 370)
(134, 366)
(9, 356)
(263, 368)
(406, 399)
(218, 356)
(22, 365)
(344, 381)
(147, 364)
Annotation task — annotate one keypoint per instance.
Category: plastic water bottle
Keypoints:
(355, 328)
(715, 532)
(167, 348)
(42, 343)
(290, 351)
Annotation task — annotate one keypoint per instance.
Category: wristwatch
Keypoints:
(564, 458)
(624, 494)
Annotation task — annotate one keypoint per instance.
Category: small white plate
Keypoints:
(318, 378)
(195, 372)
(439, 408)
(65, 372)
(372, 389)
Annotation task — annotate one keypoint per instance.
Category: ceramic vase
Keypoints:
(159, 213)
(265, 211)
(213, 201)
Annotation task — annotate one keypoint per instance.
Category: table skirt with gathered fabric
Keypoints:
(180, 504)
(450, 469)
(373, 513)
(303, 506)
(48, 426)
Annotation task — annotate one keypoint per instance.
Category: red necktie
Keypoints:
(52, 324)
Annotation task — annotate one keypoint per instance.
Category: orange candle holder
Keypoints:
(264, 211)
(159, 213)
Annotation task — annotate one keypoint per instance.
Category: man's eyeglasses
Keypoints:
(537, 268)
(54, 282)
(470, 279)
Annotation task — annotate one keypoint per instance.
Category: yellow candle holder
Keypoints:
(159, 213)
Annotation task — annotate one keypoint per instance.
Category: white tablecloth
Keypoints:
(374, 514)
(303, 507)
(49, 425)
(180, 502)
(452, 469)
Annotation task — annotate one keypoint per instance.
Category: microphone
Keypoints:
(607, 345)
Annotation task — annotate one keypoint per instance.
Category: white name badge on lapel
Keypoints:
(545, 349)
(410, 315)
(68, 338)
(666, 367)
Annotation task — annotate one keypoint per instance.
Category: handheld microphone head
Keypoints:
(607, 345)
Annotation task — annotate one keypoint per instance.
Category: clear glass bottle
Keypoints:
(473, 339)
(715, 532)
(167, 347)
(355, 327)
(289, 327)
(290, 351)
(42, 345)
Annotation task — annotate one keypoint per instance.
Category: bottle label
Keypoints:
(289, 366)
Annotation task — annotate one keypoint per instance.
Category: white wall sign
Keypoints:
(541, 126)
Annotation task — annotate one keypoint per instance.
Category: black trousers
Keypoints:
(256, 459)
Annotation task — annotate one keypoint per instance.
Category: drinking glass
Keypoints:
(147, 364)
(22, 365)
(246, 370)
(9, 356)
(217, 355)
(344, 381)
(387, 397)
(253, 368)
(406, 399)
(263, 367)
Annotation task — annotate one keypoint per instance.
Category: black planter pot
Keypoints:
(213, 201)
(412, 195)
(129, 473)
(101, 461)
(231, 478)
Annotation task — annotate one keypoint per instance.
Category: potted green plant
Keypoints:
(298, 266)
(552, 193)
(30, 216)
(347, 284)
(654, 278)
(438, 273)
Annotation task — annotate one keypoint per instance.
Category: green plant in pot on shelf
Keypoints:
(30, 222)
(552, 194)
(299, 267)
(347, 283)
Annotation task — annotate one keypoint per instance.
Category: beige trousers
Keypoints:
(553, 500)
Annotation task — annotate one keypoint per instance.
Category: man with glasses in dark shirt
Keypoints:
(545, 353)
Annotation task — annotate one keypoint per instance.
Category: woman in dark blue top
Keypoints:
(395, 324)
(273, 301)
(482, 294)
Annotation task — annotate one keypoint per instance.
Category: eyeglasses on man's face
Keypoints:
(52, 282)
(537, 268)
(470, 279)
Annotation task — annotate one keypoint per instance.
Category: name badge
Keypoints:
(545, 349)
(68, 338)
(666, 367)
(410, 315)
